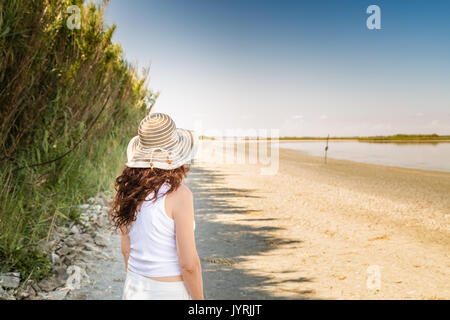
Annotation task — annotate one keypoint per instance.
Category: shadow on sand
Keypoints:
(221, 245)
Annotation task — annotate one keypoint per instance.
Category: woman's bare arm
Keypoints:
(183, 215)
(125, 244)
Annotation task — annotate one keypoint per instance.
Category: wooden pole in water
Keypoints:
(326, 149)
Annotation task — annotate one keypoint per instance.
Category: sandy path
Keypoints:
(312, 231)
(225, 242)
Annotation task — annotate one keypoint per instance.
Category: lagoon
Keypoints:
(434, 156)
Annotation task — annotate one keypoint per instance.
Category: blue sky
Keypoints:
(304, 67)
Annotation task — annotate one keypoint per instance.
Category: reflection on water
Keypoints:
(427, 156)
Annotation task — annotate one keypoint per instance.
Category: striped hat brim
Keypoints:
(175, 154)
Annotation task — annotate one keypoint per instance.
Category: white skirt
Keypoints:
(138, 287)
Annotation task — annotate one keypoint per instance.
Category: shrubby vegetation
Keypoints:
(69, 103)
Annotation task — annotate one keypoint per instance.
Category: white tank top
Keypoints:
(152, 240)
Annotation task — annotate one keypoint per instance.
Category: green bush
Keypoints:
(69, 103)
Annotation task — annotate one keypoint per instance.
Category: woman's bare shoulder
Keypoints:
(180, 201)
(181, 195)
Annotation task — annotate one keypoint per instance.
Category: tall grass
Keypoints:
(69, 102)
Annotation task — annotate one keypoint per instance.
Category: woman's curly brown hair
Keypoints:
(133, 185)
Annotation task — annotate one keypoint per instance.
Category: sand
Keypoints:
(340, 230)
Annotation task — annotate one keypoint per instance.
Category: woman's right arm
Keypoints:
(183, 214)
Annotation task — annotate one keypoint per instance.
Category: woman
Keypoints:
(154, 212)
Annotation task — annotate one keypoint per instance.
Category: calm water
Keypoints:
(424, 156)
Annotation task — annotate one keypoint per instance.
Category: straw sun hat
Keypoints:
(159, 144)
